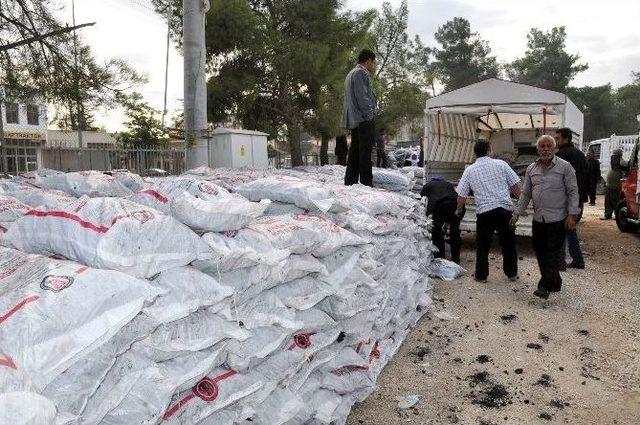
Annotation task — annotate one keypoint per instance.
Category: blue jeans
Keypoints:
(574, 249)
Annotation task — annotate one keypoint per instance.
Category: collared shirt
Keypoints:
(554, 191)
(490, 180)
(359, 99)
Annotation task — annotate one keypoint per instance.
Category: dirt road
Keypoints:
(510, 358)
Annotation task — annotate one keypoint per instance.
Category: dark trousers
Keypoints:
(547, 243)
(573, 241)
(592, 193)
(381, 159)
(444, 213)
(488, 223)
(359, 159)
(611, 199)
(341, 159)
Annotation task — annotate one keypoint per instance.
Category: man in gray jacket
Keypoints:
(358, 116)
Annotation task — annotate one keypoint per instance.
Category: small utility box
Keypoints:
(234, 148)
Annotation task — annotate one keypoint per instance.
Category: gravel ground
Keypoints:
(510, 358)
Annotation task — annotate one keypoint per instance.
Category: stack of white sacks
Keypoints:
(216, 297)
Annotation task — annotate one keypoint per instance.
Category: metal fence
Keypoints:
(171, 160)
(281, 160)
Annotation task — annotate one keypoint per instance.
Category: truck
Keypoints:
(627, 211)
(603, 148)
(510, 115)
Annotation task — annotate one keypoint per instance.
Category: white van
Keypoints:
(603, 148)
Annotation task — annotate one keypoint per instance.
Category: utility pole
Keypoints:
(166, 64)
(2, 131)
(195, 85)
(75, 54)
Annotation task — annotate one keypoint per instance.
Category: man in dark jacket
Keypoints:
(594, 173)
(358, 115)
(614, 184)
(576, 158)
(341, 149)
(442, 200)
(381, 157)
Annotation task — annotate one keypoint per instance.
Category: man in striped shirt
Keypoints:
(492, 182)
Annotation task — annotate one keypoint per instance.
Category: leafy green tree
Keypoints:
(627, 100)
(546, 62)
(404, 72)
(47, 67)
(462, 58)
(599, 108)
(144, 129)
(275, 65)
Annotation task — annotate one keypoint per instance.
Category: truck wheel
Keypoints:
(621, 219)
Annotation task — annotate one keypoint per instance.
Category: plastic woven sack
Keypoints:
(55, 312)
(90, 183)
(305, 194)
(109, 233)
(11, 208)
(298, 233)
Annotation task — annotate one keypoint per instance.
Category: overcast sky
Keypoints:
(604, 34)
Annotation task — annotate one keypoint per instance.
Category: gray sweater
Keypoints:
(359, 99)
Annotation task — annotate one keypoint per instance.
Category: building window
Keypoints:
(33, 115)
(12, 113)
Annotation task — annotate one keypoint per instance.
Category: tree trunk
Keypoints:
(293, 134)
(324, 148)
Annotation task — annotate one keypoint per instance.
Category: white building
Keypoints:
(25, 132)
(90, 139)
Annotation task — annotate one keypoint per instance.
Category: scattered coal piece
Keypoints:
(420, 352)
(545, 380)
(583, 332)
(457, 360)
(494, 396)
(478, 378)
(483, 358)
(508, 318)
(534, 346)
(545, 416)
(558, 404)
(544, 338)
(518, 371)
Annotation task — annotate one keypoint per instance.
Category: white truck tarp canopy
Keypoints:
(494, 105)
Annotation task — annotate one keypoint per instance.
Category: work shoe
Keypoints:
(479, 280)
(542, 293)
(605, 218)
(575, 265)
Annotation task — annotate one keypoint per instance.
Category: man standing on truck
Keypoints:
(358, 115)
(593, 171)
(576, 158)
(492, 182)
(614, 184)
(441, 196)
(551, 183)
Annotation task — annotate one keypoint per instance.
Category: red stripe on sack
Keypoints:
(68, 216)
(18, 306)
(156, 195)
(225, 376)
(375, 353)
(81, 270)
(359, 347)
(173, 409)
(7, 362)
(206, 389)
